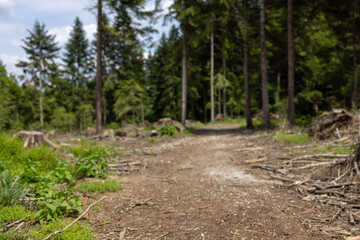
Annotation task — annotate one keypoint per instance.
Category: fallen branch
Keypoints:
(9, 225)
(68, 226)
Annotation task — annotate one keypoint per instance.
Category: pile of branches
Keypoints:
(329, 178)
(328, 125)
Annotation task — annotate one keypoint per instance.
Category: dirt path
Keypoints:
(199, 188)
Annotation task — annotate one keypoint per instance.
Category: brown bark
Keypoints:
(184, 77)
(41, 95)
(265, 96)
(99, 69)
(291, 71)
(224, 89)
(246, 72)
(212, 76)
(355, 73)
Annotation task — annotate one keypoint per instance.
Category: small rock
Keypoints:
(154, 133)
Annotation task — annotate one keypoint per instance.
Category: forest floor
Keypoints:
(203, 187)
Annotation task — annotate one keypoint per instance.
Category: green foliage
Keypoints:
(129, 99)
(153, 139)
(113, 125)
(63, 120)
(293, 138)
(167, 130)
(77, 231)
(79, 151)
(54, 202)
(96, 187)
(93, 163)
(13, 213)
(11, 189)
(343, 150)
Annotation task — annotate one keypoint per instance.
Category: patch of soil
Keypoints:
(203, 187)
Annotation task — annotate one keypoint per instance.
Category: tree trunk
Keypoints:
(41, 95)
(184, 77)
(291, 68)
(355, 74)
(277, 95)
(219, 99)
(224, 89)
(212, 76)
(246, 72)
(104, 109)
(265, 97)
(142, 113)
(205, 109)
(99, 69)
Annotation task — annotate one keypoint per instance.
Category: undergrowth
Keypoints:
(293, 138)
(13, 213)
(95, 187)
(77, 231)
(342, 150)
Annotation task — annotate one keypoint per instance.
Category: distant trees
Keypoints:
(99, 67)
(291, 66)
(78, 64)
(41, 49)
(225, 65)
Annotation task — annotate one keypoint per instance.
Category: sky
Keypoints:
(17, 16)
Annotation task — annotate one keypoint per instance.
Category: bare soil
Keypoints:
(203, 187)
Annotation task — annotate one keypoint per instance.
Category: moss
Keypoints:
(77, 231)
(13, 213)
(106, 186)
(296, 138)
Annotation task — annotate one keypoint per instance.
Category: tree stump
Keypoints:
(34, 138)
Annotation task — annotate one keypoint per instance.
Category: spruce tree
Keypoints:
(41, 50)
(77, 60)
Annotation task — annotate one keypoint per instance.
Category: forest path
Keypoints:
(198, 188)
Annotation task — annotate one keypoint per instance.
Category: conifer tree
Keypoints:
(41, 49)
(77, 60)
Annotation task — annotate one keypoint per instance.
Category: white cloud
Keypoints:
(57, 5)
(6, 7)
(90, 30)
(63, 33)
(10, 61)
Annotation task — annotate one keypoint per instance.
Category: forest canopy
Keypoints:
(239, 58)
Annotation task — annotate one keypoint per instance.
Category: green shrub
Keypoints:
(113, 125)
(93, 163)
(106, 186)
(77, 231)
(54, 203)
(167, 130)
(13, 213)
(15, 158)
(11, 189)
(79, 151)
(296, 138)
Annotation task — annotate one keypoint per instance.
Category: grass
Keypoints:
(343, 150)
(13, 213)
(95, 187)
(290, 138)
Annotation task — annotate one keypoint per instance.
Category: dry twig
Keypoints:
(68, 226)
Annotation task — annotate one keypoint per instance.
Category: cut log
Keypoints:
(34, 138)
